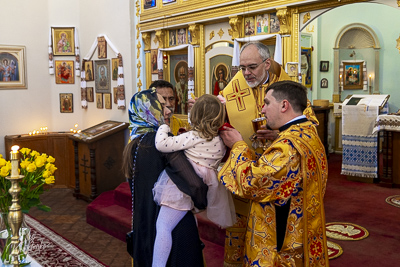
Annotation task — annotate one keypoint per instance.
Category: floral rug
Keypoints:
(394, 200)
(345, 231)
(50, 249)
(334, 250)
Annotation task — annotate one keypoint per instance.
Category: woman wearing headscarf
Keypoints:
(142, 166)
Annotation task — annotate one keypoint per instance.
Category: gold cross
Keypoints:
(254, 232)
(238, 95)
(313, 206)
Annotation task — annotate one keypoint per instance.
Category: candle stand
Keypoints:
(15, 213)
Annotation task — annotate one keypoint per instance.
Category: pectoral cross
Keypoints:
(238, 95)
(254, 232)
(84, 166)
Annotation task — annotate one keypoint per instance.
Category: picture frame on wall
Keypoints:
(274, 23)
(154, 55)
(306, 67)
(178, 65)
(63, 41)
(101, 47)
(89, 94)
(249, 28)
(220, 73)
(149, 4)
(102, 76)
(89, 75)
(353, 75)
(107, 101)
(324, 66)
(114, 66)
(12, 67)
(66, 103)
(172, 38)
(292, 69)
(262, 24)
(99, 100)
(324, 83)
(182, 37)
(64, 71)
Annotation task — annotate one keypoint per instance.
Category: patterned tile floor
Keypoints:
(68, 218)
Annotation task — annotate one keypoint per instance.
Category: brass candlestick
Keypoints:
(15, 213)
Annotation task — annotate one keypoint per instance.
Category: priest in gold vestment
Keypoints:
(244, 97)
(285, 186)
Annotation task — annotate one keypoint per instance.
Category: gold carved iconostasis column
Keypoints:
(146, 36)
(289, 31)
(198, 41)
(161, 39)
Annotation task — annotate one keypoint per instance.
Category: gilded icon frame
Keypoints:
(62, 47)
(102, 76)
(89, 74)
(15, 56)
(351, 79)
(66, 103)
(64, 74)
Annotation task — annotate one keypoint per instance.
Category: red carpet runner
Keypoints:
(50, 249)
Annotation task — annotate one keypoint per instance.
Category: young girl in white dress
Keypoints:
(205, 150)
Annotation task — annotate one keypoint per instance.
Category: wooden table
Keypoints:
(388, 127)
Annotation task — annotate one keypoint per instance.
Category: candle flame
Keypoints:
(15, 149)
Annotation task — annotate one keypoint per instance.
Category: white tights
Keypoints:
(167, 220)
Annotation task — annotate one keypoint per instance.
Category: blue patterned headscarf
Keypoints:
(145, 113)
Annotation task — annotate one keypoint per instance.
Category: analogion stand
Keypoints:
(98, 159)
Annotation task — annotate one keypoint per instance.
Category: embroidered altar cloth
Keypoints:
(387, 123)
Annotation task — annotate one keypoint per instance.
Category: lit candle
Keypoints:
(370, 80)
(76, 125)
(14, 161)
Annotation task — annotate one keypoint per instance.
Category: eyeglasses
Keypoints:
(251, 67)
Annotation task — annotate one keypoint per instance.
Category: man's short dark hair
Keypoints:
(294, 92)
(160, 84)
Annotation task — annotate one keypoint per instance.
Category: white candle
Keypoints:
(14, 161)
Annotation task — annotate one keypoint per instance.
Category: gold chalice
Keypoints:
(257, 123)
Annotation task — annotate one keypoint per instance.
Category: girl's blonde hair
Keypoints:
(207, 116)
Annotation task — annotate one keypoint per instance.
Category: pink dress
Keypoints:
(205, 157)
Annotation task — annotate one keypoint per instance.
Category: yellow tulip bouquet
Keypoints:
(38, 170)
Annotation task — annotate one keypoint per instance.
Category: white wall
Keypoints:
(27, 23)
